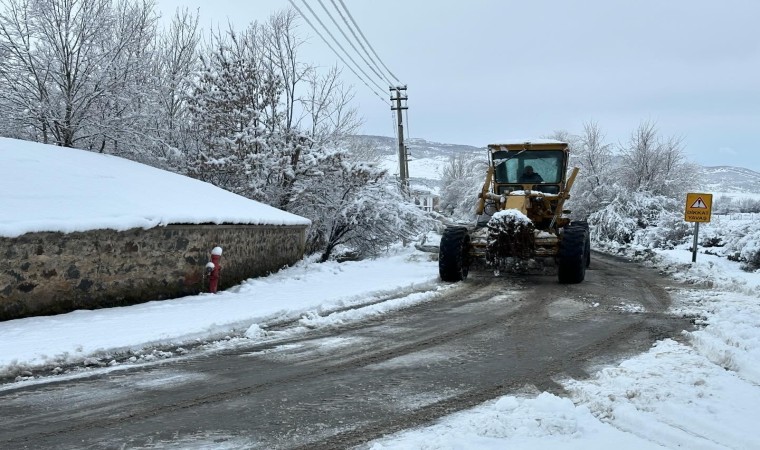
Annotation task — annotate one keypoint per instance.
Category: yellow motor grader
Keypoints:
(520, 215)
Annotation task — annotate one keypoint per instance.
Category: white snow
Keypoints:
(523, 141)
(72, 337)
(700, 392)
(49, 188)
(511, 215)
(426, 168)
(523, 193)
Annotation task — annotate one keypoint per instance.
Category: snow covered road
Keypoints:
(336, 380)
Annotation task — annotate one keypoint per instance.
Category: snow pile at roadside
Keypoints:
(307, 289)
(674, 396)
(702, 393)
(710, 271)
(544, 422)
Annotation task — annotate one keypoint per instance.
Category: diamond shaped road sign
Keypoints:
(698, 207)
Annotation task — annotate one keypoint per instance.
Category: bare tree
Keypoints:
(640, 158)
(177, 60)
(593, 187)
(282, 43)
(651, 164)
(594, 156)
(461, 181)
(68, 60)
(328, 104)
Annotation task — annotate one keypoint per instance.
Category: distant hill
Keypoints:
(419, 148)
(426, 158)
(730, 181)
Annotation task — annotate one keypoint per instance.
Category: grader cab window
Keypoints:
(511, 166)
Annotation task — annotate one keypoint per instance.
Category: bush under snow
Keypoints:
(656, 222)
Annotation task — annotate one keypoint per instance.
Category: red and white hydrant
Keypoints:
(213, 269)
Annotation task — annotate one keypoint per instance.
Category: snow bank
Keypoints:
(701, 393)
(304, 289)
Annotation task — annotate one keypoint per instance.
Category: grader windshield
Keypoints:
(516, 168)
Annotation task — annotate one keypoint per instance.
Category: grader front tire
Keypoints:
(573, 257)
(454, 254)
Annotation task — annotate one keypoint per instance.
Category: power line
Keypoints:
(367, 41)
(350, 28)
(336, 41)
(350, 42)
(336, 53)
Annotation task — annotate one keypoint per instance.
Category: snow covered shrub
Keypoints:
(736, 240)
(750, 253)
(711, 236)
(356, 206)
(629, 213)
(669, 231)
(612, 224)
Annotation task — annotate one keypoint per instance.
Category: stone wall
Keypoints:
(51, 273)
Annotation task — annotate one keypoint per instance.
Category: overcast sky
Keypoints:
(482, 71)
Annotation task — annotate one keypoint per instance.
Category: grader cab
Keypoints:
(520, 215)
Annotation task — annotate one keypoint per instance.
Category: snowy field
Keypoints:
(427, 168)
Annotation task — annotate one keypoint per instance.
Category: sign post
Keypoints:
(698, 209)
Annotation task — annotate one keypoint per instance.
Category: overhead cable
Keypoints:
(338, 43)
(367, 41)
(336, 53)
(374, 65)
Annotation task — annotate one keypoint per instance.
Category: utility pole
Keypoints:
(403, 165)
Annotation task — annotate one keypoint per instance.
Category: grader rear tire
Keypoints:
(573, 255)
(454, 254)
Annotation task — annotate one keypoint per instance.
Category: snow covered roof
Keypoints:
(49, 188)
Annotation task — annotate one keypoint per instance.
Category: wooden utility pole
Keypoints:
(402, 158)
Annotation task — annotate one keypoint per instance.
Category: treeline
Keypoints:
(240, 109)
(728, 205)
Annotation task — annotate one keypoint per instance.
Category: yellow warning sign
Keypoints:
(698, 207)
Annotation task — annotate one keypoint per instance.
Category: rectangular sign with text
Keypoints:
(698, 207)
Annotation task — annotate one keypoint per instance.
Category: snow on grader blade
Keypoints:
(520, 215)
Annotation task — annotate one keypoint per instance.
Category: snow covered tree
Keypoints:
(274, 130)
(123, 115)
(261, 116)
(462, 180)
(649, 163)
(564, 136)
(175, 62)
(356, 206)
(70, 63)
(238, 143)
(595, 160)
